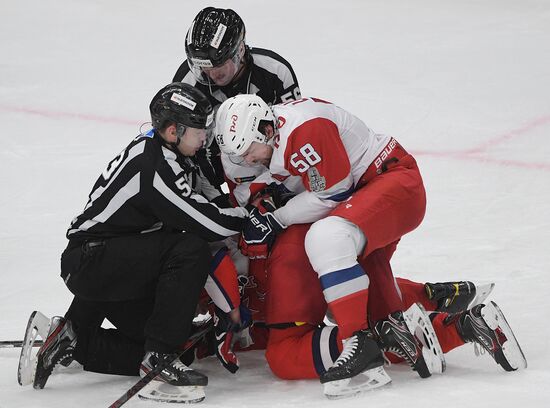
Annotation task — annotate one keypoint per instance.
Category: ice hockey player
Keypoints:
(361, 190)
(301, 346)
(221, 65)
(339, 160)
(138, 254)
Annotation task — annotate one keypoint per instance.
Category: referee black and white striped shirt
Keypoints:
(148, 187)
(266, 74)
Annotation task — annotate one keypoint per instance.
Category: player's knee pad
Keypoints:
(333, 243)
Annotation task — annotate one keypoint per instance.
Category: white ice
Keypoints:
(464, 85)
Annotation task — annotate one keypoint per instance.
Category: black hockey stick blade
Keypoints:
(18, 343)
(204, 329)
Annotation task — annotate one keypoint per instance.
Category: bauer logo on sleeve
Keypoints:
(182, 100)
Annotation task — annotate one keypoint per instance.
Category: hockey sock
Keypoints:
(345, 291)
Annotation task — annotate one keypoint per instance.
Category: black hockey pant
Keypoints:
(146, 285)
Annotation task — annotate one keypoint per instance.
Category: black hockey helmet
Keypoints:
(183, 104)
(214, 37)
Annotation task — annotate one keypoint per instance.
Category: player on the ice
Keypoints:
(301, 346)
(138, 254)
(339, 160)
(361, 190)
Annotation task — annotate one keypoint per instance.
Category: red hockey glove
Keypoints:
(225, 330)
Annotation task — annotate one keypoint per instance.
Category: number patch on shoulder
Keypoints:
(306, 158)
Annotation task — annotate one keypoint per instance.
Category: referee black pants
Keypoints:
(146, 285)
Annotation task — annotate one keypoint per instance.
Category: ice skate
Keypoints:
(420, 325)
(456, 297)
(395, 337)
(176, 383)
(38, 326)
(57, 349)
(359, 368)
(486, 326)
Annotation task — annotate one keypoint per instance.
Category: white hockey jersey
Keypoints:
(320, 153)
(328, 148)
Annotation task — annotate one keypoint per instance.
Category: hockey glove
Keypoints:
(225, 330)
(279, 194)
(259, 233)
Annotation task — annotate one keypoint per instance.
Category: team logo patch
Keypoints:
(182, 100)
(316, 181)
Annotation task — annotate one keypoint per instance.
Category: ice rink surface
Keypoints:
(463, 85)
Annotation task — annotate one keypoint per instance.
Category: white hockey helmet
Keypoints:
(240, 121)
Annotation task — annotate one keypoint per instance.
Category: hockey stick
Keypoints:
(18, 343)
(205, 328)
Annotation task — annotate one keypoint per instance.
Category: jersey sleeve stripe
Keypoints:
(179, 202)
(339, 197)
(124, 194)
(270, 61)
(215, 288)
(134, 151)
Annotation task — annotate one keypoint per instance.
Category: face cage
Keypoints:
(204, 79)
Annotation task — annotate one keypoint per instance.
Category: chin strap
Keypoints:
(180, 130)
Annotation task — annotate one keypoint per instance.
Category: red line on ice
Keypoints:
(468, 154)
(473, 154)
(67, 115)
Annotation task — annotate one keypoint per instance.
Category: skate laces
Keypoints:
(61, 338)
(179, 366)
(350, 346)
(173, 367)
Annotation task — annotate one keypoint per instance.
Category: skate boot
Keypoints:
(360, 367)
(57, 349)
(486, 326)
(456, 297)
(175, 383)
(395, 338)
